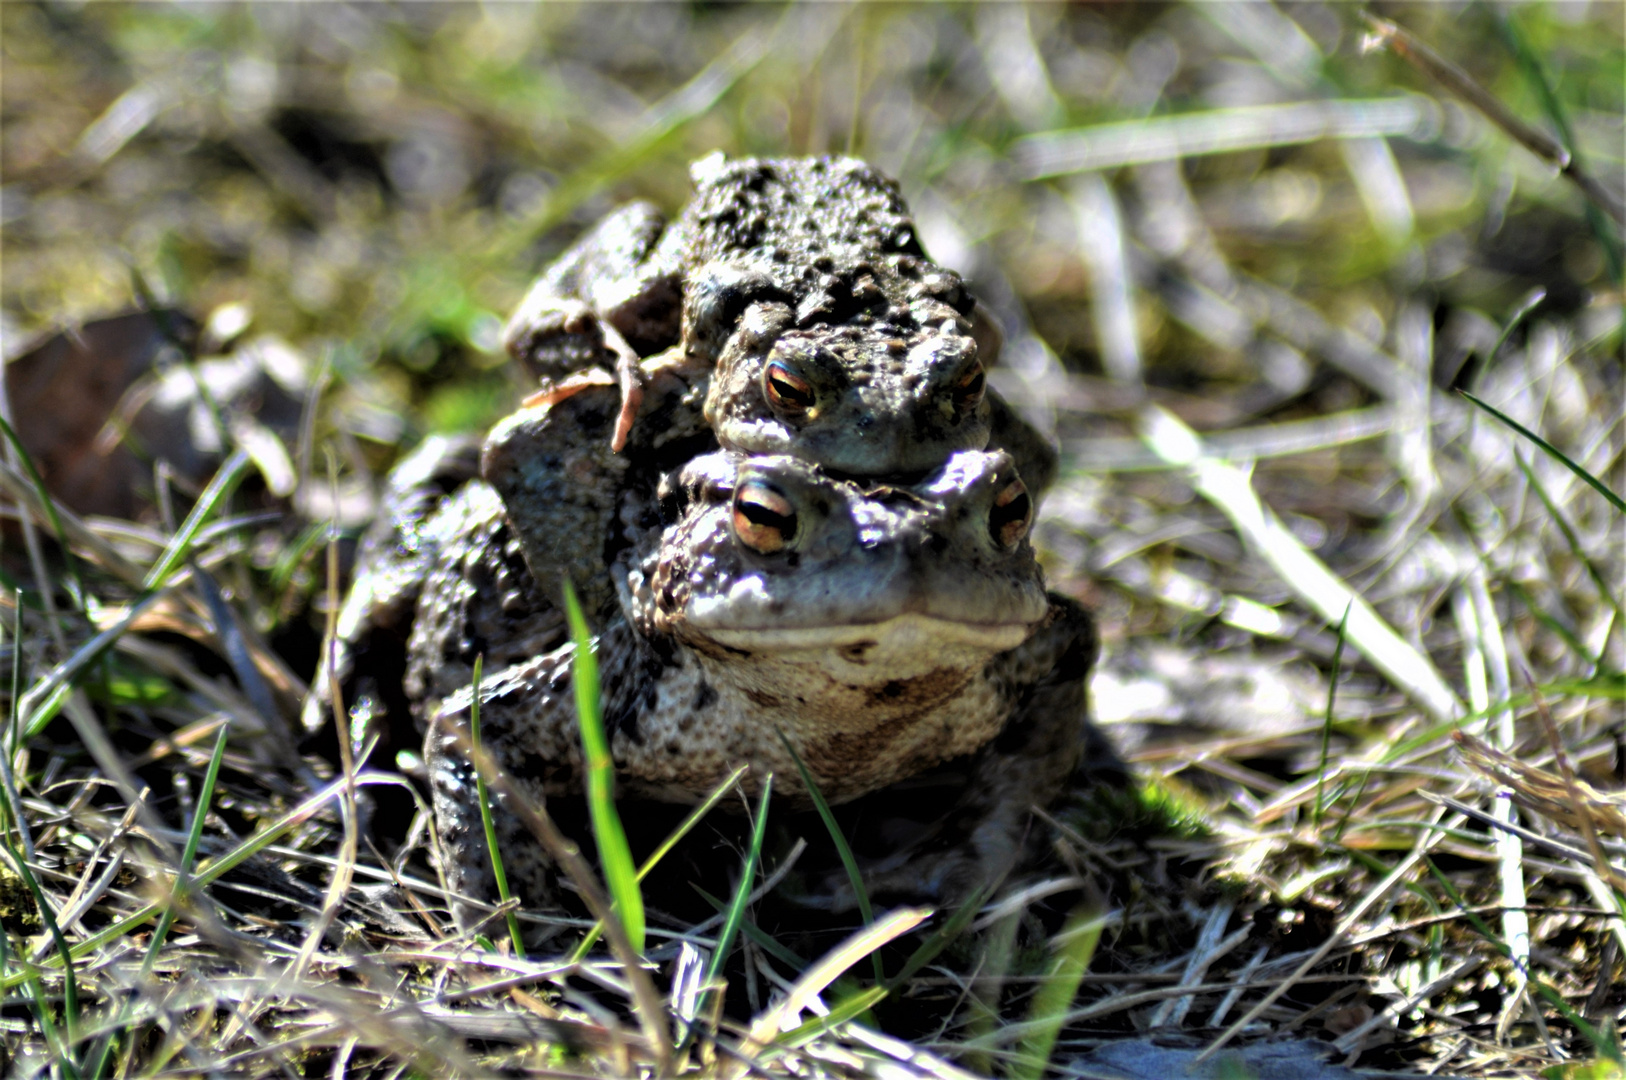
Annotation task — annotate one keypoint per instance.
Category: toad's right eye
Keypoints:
(764, 520)
(787, 391)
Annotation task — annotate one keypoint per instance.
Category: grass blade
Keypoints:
(1074, 947)
(1597, 485)
(219, 489)
(1558, 629)
(1605, 1046)
(45, 698)
(190, 853)
(497, 870)
(1230, 489)
(683, 829)
(1574, 542)
(856, 1005)
(758, 936)
(41, 1007)
(71, 564)
(613, 853)
(1531, 301)
(1599, 197)
(848, 862)
(736, 909)
(1326, 723)
(665, 120)
(70, 985)
(836, 962)
(225, 864)
(178, 894)
(942, 937)
(1213, 131)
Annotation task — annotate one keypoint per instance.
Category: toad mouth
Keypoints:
(908, 631)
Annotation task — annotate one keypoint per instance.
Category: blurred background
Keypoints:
(377, 183)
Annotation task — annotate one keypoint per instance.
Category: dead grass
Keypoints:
(1363, 641)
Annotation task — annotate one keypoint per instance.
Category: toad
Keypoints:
(799, 287)
(881, 630)
(741, 602)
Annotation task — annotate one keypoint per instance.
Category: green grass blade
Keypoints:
(941, 938)
(742, 892)
(213, 497)
(100, 1055)
(13, 735)
(1598, 485)
(41, 1006)
(1075, 946)
(1559, 630)
(1531, 301)
(1326, 723)
(759, 937)
(842, 848)
(666, 120)
(189, 854)
(843, 1011)
(1568, 532)
(289, 560)
(45, 698)
(613, 853)
(38, 481)
(70, 985)
(497, 870)
(671, 841)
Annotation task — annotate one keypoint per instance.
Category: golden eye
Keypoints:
(969, 388)
(786, 390)
(764, 520)
(1008, 521)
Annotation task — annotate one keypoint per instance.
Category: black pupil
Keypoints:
(758, 514)
(788, 388)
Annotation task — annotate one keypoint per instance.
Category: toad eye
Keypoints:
(764, 519)
(968, 388)
(1011, 515)
(787, 391)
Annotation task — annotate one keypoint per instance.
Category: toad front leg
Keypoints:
(529, 769)
(530, 729)
(605, 303)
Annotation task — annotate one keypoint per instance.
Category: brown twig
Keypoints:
(1409, 48)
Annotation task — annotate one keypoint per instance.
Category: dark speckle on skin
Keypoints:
(764, 699)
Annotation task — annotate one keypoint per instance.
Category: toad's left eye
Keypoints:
(969, 387)
(1011, 515)
(787, 391)
(764, 520)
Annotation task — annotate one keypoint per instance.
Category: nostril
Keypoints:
(1011, 515)
(969, 388)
